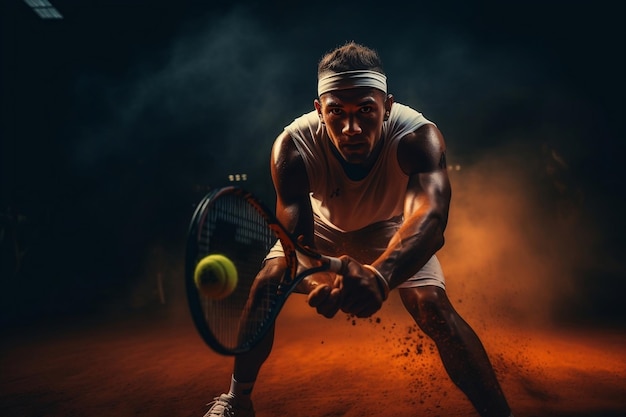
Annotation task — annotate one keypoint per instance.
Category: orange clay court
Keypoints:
(158, 366)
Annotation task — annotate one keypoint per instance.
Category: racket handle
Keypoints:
(334, 264)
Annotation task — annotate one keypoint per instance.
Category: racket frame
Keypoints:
(291, 278)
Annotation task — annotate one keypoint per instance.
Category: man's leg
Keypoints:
(461, 351)
(237, 402)
(248, 365)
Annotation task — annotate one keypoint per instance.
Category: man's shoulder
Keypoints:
(421, 150)
(404, 112)
(416, 138)
(304, 121)
(303, 129)
(404, 120)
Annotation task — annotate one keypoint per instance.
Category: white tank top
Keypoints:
(340, 202)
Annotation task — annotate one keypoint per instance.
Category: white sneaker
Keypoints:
(225, 406)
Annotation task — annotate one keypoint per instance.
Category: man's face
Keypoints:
(354, 121)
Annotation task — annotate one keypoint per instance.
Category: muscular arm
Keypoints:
(422, 156)
(294, 211)
(293, 207)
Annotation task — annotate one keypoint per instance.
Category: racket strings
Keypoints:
(237, 230)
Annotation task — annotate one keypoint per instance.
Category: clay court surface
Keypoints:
(156, 365)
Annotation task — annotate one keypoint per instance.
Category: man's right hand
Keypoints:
(326, 298)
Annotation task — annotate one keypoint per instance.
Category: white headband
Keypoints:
(351, 79)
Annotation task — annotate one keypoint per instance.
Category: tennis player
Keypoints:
(364, 178)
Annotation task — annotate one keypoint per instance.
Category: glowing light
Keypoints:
(237, 177)
(44, 9)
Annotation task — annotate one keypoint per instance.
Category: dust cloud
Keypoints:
(516, 240)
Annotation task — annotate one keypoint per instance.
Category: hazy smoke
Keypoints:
(516, 244)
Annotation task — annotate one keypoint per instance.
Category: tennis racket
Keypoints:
(232, 222)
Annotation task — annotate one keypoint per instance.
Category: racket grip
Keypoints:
(334, 264)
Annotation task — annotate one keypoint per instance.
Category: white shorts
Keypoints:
(366, 245)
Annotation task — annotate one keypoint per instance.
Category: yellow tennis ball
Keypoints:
(216, 276)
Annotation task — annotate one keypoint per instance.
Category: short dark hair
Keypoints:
(350, 57)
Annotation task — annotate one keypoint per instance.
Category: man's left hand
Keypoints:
(360, 291)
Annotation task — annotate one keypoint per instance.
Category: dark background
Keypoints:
(117, 118)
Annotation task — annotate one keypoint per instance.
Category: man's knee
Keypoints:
(430, 307)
